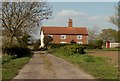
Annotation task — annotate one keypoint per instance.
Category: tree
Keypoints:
(23, 16)
(98, 44)
(47, 40)
(23, 41)
(109, 34)
(93, 35)
(115, 19)
(36, 44)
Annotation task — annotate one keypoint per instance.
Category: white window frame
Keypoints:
(62, 42)
(79, 42)
(50, 35)
(62, 36)
(79, 36)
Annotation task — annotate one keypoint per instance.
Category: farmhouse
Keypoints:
(65, 34)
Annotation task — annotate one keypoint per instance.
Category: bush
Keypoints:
(74, 48)
(99, 44)
(47, 40)
(16, 50)
(24, 40)
(56, 45)
(36, 45)
(95, 45)
(81, 50)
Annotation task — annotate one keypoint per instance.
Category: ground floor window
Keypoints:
(79, 42)
(62, 42)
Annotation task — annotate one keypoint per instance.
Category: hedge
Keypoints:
(85, 46)
(16, 50)
(74, 48)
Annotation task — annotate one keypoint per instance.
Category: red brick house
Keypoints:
(65, 34)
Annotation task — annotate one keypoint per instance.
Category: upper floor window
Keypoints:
(50, 35)
(79, 36)
(63, 36)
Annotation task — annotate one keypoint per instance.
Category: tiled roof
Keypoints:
(52, 30)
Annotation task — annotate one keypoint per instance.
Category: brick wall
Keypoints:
(57, 39)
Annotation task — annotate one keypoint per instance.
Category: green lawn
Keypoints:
(96, 66)
(11, 67)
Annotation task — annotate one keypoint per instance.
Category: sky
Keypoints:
(84, 14)
(92, 14)
(82, 0)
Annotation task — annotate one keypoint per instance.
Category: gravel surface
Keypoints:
(47, 66)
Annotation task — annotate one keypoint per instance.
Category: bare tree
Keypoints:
(115, 19)
(19, 17)
(93, 34)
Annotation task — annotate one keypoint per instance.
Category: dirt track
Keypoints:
(112, 55)
(47, 66)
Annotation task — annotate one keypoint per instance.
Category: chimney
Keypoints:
(70, 23)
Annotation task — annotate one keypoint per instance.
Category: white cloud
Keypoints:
(64, 14)
(79, 19)
(93, 18)
(99, 18)
(70, 13)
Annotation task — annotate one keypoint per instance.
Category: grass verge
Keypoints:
(96, 66)
(11, 66)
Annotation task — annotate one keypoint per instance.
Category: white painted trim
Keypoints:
(42, 39)
(50, 35)
(79, 42)
(87, 39)
(80, 37)
(62, 42)
(110, 45)
(62, 35)
(106, 45)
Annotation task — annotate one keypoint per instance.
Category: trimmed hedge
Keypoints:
(57, 45)
(85, 46)
(91, 46)
(75, 48)
(16, 50)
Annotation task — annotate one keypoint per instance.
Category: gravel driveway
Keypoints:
(47, 66)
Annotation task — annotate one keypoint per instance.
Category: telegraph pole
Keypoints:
(118, 39)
